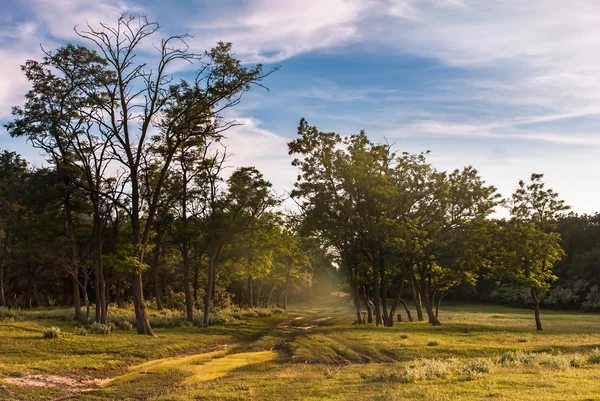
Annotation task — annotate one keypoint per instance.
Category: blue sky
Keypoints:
(509, 86)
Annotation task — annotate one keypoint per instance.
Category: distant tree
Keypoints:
(529, 242)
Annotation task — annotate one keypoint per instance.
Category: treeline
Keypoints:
(395, 222)
(47, 250)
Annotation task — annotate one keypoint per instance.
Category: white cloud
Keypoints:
(61, 16)
(250, 145)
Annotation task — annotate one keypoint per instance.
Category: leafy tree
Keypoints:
(530, 244)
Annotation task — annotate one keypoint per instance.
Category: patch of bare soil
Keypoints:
(49, 381)
(313, 323)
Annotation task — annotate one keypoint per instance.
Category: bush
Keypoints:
(99, 328)
(576, 362)
(428, 369)
(9, 314)
(520, 358)
(51, 332)
(123, 324)
(404, 336)
(433, 343)
(594, 357)
(59, 314)
(80, 331)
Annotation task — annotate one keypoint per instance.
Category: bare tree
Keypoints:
(144, 110)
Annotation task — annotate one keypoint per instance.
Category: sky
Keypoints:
(510, 87)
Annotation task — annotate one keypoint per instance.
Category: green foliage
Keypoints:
(100, 328)
(80, 331)
(594, 356)
(51, 332)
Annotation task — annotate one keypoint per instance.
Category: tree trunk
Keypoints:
(417, 300)
(536, 307)
(384, 309)
(209, 286)
(74, 258)
(377, 297)
(76, 294)
(2, 299)
(141, 316)
(408, 314)
(86, 300)
(270, 295)
(29, 289)
(155, 276)
(430, 312)
(389, 322)
(367, 302)
(354, 292)
(99, 282)
(437, 305)
(258, 289)
(118, 293)
(250, 295)
(287, 288)
(196, 269)
(189, 305)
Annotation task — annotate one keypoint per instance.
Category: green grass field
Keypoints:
(312, 352)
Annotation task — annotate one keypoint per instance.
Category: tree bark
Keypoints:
(250, 296)
(209, 286)
(437, 305)
(377, 297)
(536, 308)
(74, 258)
(258, 289)
(353, 291)
(99, 282)
(430, 312)
(408, 314)
(270, 295)
(287, 288)
(384, 309)
(2, 299)
(156, 283)
(417, 300)
(189, 304)
(142, 322)
(367, 302)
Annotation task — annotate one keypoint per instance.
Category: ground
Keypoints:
(312, 352)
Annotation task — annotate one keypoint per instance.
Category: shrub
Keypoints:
(523, 340)
(433, 343)
(99, 328)
(9, 314)
(428, 369)
(51, 332)
(59, 314)
(123, 324)
(576, 362)
(594, 357)
(404, 336)
(520, 358)
(80, 331)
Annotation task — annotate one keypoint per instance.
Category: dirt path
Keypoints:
(199, 367)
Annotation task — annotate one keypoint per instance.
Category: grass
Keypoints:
(477, 353)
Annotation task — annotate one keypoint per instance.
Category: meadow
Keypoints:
(310, 352)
